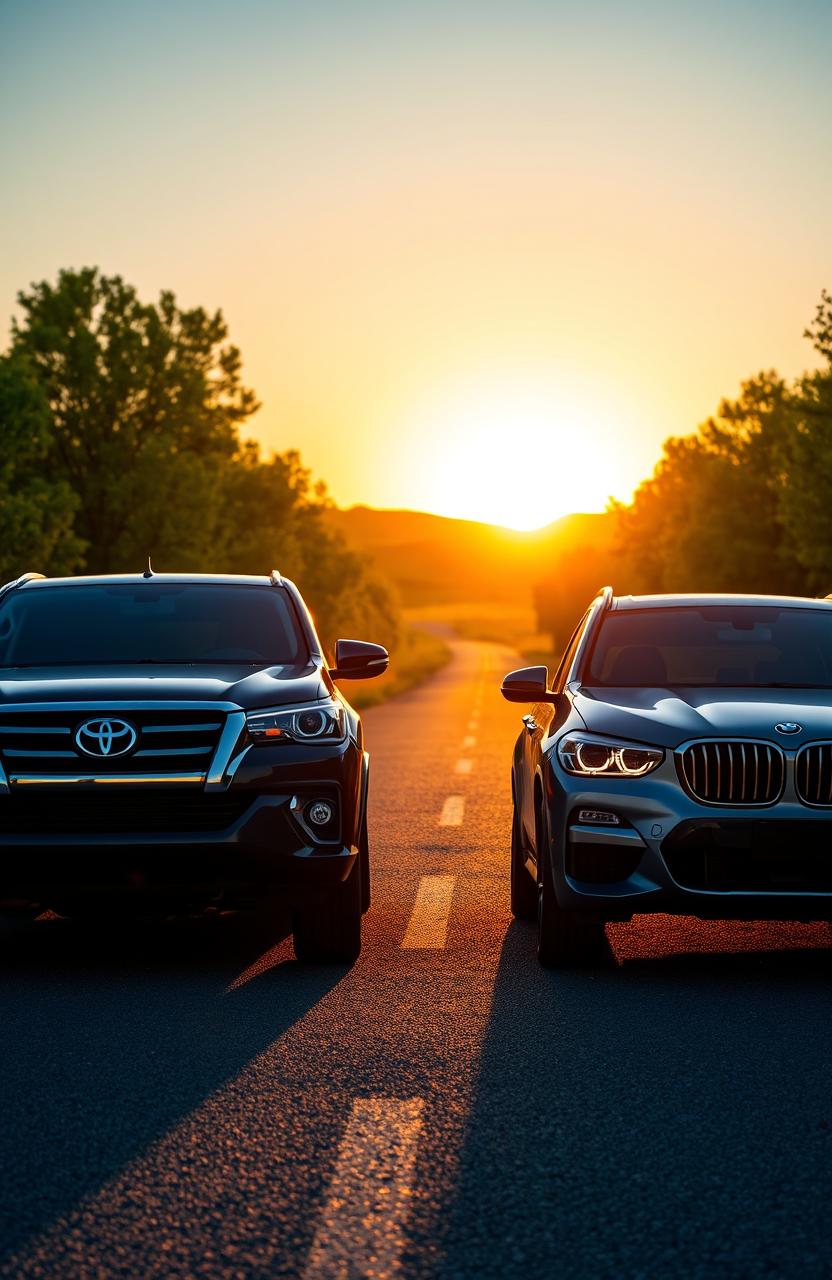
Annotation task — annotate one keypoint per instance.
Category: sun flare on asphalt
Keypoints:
(520, 455)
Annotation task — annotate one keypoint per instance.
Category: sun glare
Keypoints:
(521, 456)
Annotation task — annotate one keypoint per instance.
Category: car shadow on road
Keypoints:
(110, 1036)
(671, 1114)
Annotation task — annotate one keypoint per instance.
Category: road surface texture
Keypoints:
(189, 1101)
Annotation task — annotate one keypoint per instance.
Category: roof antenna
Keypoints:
(148, 573)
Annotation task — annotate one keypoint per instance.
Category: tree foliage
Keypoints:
(744, 504)
(144, 403)
(709, 518)
(274, 504)
(806, 495)
(120, 429)
(562, 595)
(37, 512)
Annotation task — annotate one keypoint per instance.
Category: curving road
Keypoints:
(191, 1102)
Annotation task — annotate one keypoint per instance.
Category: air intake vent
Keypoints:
(734, 772)
(116, 814)
(813, 774)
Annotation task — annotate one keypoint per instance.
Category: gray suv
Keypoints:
(679, 761)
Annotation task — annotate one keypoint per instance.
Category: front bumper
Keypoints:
(673, 854)
(186, 848)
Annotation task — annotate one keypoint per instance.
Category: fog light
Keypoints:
(320, 813)
(600, 817)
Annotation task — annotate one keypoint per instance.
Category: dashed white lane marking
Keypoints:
(469, 743)
(361, 1230)
(473, 724)
(453, 811)
(463, 766)
(428, 924)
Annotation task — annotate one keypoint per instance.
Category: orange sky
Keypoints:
(480, 259)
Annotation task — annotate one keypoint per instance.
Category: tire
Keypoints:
(523, 887)
(329, 931)
(565, 939)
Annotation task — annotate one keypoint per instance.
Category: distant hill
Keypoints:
(439, 560)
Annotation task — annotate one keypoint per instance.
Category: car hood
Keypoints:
(220, 682)
(669, 717)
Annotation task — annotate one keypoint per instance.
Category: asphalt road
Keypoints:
(189, 1101)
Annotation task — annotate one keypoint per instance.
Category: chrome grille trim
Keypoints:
(33, 728)
(222, 767)
(813, 775)
(181, 728)
(175, 738)
(111, 779)
(734, 772)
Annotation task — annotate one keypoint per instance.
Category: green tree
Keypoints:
(145, 402)
(709, 518)
(561, 597)
(272, 513)
(120, 425)
(744, 504)
(806, 499)
(37, 511)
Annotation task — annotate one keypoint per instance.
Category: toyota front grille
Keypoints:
(165, 742)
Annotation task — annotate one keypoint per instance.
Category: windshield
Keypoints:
(166, 622)
(714, 646)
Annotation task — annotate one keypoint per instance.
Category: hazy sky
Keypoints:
(480, 258)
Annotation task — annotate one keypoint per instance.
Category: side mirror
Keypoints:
(358, 660)
(528, 684)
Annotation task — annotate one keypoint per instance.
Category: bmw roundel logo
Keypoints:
(106, 737)
(788, 726)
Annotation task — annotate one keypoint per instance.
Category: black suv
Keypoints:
(173, 742)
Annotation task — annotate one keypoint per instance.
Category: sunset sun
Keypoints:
(520, 454)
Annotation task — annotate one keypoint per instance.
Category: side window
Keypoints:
(566, 660)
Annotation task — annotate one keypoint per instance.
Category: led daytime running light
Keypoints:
(587, 756)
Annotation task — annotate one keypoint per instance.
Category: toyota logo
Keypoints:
(789, 726)
(104, 736)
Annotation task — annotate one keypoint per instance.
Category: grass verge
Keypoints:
(417, 656)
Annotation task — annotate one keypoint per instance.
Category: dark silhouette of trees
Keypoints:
(806, 496)
(562, 595)
(37, 511)
(744, 504)
(145, 401)
(120, 435)
(710, 517)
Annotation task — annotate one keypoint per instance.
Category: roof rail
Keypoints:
(606, 597)
(276, 579)
(19, 582)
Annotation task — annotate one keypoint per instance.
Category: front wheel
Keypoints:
(565, 939)
(329, 931)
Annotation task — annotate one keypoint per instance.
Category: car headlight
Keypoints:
(592, 756)
(317, 722)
